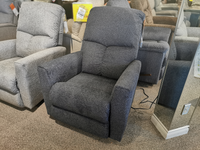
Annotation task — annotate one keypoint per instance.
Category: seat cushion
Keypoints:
(7, 76)
(85, 94)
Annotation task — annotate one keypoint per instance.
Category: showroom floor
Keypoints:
(30, 130)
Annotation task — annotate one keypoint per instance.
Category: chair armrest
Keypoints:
(7, 49)
(172, 27)
(58, 70)
(122, 98)
(162, 34)
(70, 24)
(193, 32)
(27, 75)
(173, 13)
(71, 36)
(186, 47)
(165, 20)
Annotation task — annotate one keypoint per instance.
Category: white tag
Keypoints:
(81, 13)
(15, 11)
(65, 27)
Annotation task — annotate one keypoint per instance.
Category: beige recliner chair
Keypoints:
(151, 19)
(72, 40)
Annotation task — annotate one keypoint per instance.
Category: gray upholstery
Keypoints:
(73, 96)
(154, 53)
(8, 21)
(176, 75)
(118, 3)
(100, 55)
(43, 27)
(87, 89)
(19, 82)
(8, 76)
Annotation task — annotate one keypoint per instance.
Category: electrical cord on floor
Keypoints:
(145, 100)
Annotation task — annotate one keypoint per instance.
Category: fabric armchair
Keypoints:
(154, 53)
(37, 42)
(8, 21)
(93, 89)
(155, 48)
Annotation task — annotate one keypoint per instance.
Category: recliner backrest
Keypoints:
(111, 43)
(145, 7)
(118, 3)
(6, 14)
(39, 29)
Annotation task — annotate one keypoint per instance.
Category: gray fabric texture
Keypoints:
(162, 34)
(80, 122)
(89, 95)
(193, 32)
(58, 70)
(6, 14)
(7, 49)
(104, 44)
(37, 32)
(176, 75)
(118, 3)
(6, 18)
(152, 55)
(8, 80)
(186, 47)
(11, 99)
(27, 76)
(73, 96)
(122, 98)
(8, 21)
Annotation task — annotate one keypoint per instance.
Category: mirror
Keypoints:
(179, 90)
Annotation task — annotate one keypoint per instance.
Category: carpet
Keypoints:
(22, 129)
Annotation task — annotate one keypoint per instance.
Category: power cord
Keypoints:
(145, 100)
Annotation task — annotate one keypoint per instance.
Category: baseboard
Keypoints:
(167, 134)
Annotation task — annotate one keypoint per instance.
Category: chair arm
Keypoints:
(70, 24)
(186, 47)
(58, 70)
(72, 37)
(122, 98)
(162, 34)
(7, 49)
(172, 27)
(165, 20)
(173, 13)
(193, 32)
(27, 75)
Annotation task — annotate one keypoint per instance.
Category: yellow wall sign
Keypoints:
(81, 11)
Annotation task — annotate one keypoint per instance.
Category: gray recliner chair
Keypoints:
(37, 38)
(93, 89)
(8, 21)
(154, 51)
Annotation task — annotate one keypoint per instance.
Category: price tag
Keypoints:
(15, 11)
(81, 13)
